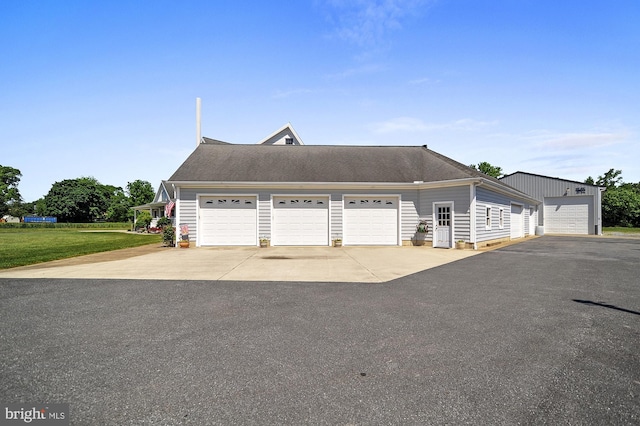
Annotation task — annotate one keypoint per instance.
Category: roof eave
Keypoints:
(503, 189)
(248, 184)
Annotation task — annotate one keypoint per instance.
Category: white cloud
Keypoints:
(355, 71)
(561, 141)
(281, 94)
(365, 22)
(423, 81)
(400, 124)
(564, 141)
(416, 125)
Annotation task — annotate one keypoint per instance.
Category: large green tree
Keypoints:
(610, 179)
(119, 207)
(488, 169)
(620, 202)
(9, 194)
(87, 200)
(140, 192)
(621, 207)
(77, 200)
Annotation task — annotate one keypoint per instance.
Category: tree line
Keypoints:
(621, 200)
(78, 200)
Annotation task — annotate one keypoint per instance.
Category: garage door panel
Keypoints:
(302, 221)
(371, 221)
(517, 221)
(228, 221)
(568, 215)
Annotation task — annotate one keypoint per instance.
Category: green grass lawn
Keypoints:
(26, 246)
(621, 229)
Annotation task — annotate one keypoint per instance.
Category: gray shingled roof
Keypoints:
(319, 163)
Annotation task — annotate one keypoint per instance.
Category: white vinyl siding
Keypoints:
(414, 206)
(461, 216)
(485, 198)
(408, 208)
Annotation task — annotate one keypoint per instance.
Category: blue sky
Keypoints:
(108, 88)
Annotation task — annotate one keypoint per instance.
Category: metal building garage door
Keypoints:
(300, 221)
(228, 221)
(568, 215)
(371, 220)
(517, 222)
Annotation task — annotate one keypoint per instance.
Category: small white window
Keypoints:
(501, 220)
(487, 218)
(288, 141)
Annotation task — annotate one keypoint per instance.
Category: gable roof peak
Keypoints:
(285, 135)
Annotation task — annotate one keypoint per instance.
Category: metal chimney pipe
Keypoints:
(198, 121)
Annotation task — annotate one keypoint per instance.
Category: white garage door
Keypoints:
(517, 222)
(228, 221)
(371, 220)
(568, 215)
(300, 221)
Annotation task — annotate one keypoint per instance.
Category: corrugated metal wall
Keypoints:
(540, 187)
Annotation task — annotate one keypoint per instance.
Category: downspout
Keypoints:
(599, 212)
(177, 207)
(472, 214)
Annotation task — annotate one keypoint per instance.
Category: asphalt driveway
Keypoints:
(543, 332)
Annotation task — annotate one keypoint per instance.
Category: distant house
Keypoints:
(302, 195)
(568, 207)
(162, 204)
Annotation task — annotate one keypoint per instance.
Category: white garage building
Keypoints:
(300, 195)
(568, 207)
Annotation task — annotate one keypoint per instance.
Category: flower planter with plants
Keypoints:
(422, 228)
(184, 234)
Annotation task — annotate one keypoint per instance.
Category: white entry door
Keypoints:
(300, 221)
(228, 221)
(370, 220)
(443, 225)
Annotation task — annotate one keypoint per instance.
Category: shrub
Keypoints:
(163, 222)
(144, 220)
(168, 236)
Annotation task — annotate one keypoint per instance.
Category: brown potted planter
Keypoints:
(460, 245)
(184, 243)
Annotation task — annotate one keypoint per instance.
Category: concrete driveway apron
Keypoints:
(322, 264)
